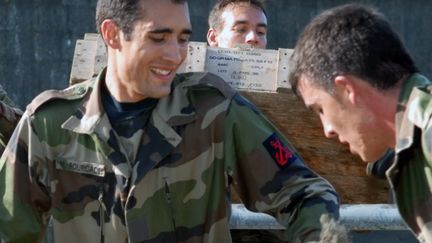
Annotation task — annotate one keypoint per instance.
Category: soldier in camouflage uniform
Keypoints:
(9, 117)
(139, 154)
(353, 70)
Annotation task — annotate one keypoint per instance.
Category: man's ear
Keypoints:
(212, 37)
(110, 33)
(346, 87)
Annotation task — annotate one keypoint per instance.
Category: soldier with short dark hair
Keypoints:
(234, 22)
(141, 154)
(352, 69)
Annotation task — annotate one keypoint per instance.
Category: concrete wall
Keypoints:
(38, 37)
(37, 40)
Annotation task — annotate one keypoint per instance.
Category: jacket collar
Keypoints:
(408, 114)
(172, 110)
(89, 114)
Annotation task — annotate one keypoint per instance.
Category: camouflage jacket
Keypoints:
(410, 176)
(9, 117)
(65, 161)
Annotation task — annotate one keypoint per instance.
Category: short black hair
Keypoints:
(215, 21)
(124, 12)
(351, 39)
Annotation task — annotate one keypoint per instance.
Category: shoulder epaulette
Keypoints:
(71, 93)
(199, 80)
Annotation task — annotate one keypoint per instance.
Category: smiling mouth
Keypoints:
(163, 72)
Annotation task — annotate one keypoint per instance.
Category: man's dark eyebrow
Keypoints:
(170, 31)
(247, 22)
(262, 25)
(187, 31)
(241, 22)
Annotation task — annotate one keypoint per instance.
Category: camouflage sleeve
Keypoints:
(9, 117)
(271, 177)
(427, 141)
(25, 200)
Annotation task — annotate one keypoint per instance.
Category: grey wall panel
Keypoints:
(38, 37)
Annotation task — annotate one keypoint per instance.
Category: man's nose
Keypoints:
(252, 38)
(174, 52)
(329, 131)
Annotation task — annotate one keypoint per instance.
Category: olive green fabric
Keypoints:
(411, 173)
(67, 163)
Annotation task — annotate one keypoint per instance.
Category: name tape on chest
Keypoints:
(81, 167)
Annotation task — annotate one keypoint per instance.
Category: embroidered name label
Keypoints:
(278, 151)
(81, 167)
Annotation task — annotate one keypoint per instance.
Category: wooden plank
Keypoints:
(100, 59)
(283, 68)
(91, 36)
(195, 60)
(244, 68)
(83, 61)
